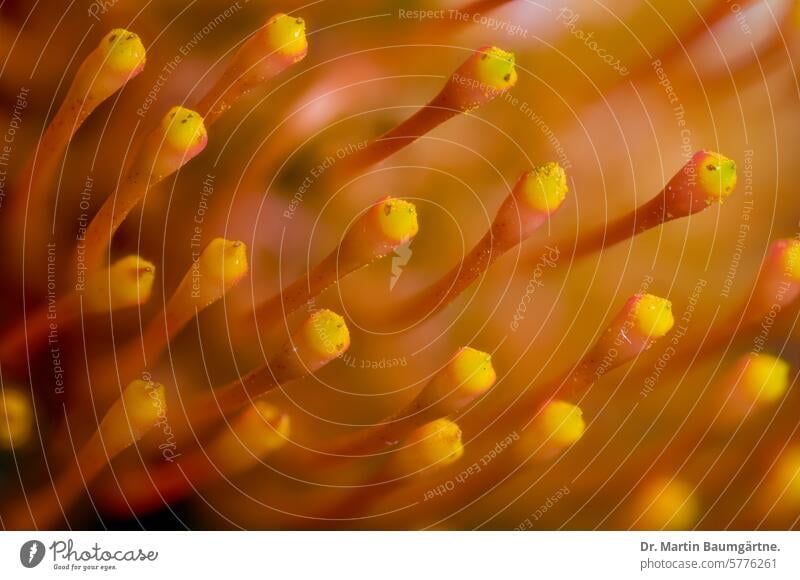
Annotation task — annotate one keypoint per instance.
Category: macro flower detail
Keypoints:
(456, 265)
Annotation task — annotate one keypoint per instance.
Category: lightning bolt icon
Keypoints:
(400, 259)
(34, 549)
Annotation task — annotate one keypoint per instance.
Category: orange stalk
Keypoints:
(537, 195)
(388, 224)
(118, 58)
(280, 43)
(485, 75)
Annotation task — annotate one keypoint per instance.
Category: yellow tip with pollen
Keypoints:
(791, 259)
(545, 187)
(667, 504)
(397, 219)
(224, 261)
(472, 371)
(467, 376)
(325, 334)
(434, 445)
(184, 129)
(287, 35)
(16, 419)
(716, 174)
(652, 316)
(123, 51)
(765, 378)
(495, 69)
(560, 423)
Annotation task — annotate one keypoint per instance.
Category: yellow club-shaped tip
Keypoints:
(435, 444)
(16, 418)
(263, 427)
(560, 423)
(122, 51)
(131, 282)
(465, 377)
(184, 129)
(472, 371)
(765, 378)
(494, 68)
(716, 174)
(144, 404)
(396, 220)
(545, 188)
(224, 261)
(652, 315)
(287, 35)
(667, 504)
(325, 334)
(791, 258)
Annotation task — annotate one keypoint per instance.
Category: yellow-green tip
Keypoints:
(435, 444)
(287, 35)
(325, 334)
(123, 51)
(184, 129)
(765, 378)
(224, 261)
(545, 187)
(495, 68)
(131, 282)
(472, 371)
(667, 504)
(561, 423)
(396, 220)
(16, 419)
(716, 174)
(652, 316)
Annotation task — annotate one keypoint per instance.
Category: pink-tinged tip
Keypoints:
(705, 179)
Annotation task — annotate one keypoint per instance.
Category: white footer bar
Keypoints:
(401, 555)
